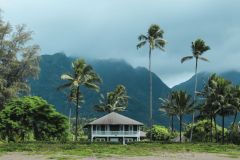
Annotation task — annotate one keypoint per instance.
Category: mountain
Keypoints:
(188, 86)
(112, 72)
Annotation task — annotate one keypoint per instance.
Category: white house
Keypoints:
(115, 127)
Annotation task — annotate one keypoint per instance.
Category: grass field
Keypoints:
(105, 150)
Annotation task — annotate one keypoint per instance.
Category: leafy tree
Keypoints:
(160, 133)
(83, 75)
(115, 101)
(18, 61)
(154, 39)
(202, 131)
(22, 117)
(198, 48)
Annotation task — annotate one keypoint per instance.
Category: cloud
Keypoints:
(109, 29)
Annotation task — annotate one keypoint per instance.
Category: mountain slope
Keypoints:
(112, 72)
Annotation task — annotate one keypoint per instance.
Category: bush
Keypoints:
(202, 131)
(32, 118)
(234, 134)
(160, 133)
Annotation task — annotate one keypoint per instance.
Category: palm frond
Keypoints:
(66, 77)
(142, 38)
(186, 58)
(142, 43)
(204, 59)
(66, 85)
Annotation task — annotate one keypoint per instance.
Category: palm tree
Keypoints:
(198, 48)
(83, 75)
(154, 39)
(116, 101)
(183, 105)
(71, 98)
(236, 103)
(209, 109)
(168, 107)
(221, 98)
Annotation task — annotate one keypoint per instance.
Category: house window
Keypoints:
(135, 128)
(130, 128)
(98, 127)
(126, 128)
(102, 127)
(94, 127)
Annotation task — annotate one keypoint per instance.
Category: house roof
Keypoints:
(114, 118)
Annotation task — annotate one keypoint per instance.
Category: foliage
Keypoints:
(18, 61)
(83, 75)
(23, 117)
(234, 134)
(202, 131)
(160, 133)
(221, 98)
(115, 101)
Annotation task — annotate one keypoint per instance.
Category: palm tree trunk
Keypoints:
(150, 91)
(76, 128)
(223, 129)
(194, 99)
(180, 124)
(69, 116)
(234, 120)
(172, 123)
(215, 126)
(211, 129)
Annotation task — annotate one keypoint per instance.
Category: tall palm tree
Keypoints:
(83, 75)
(154, 38)
(198, 48)
(183, 105)
(115, 101)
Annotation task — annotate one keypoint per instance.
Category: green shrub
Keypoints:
(160, 133)
(234, 134)
(202, 131)
(32, 118)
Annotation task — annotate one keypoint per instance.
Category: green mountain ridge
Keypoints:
(112, 72)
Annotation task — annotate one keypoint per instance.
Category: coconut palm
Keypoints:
(115, 101)
(154, 39)
(83, 75)
(198, 48)
(236, 102)
(168, 107)
(209, 109)
(71, 98)
(183, 105)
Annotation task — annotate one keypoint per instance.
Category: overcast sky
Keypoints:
(109, 29)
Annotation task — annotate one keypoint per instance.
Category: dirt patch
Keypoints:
(162, 156)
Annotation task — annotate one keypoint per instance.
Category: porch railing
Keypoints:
(115, 132)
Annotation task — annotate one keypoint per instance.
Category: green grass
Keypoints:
(104, 150)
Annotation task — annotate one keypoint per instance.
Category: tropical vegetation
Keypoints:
(83, 75)
(115, 101)
(154, 39)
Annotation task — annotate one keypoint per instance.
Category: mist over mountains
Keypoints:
(112, 72)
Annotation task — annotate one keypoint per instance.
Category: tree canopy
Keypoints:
(23, 118)
(18, 61)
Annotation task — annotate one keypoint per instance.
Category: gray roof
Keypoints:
(115, 119)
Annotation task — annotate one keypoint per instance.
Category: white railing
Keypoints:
(115, 132)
